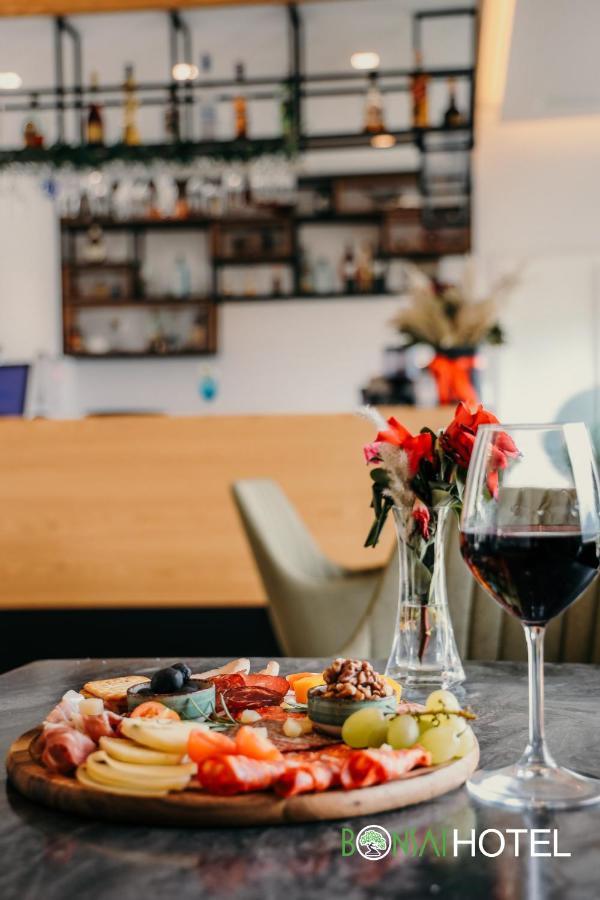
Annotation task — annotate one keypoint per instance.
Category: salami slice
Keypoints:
(273, 682)
(227, 775)
(364, 768)
(240, 698)
(308, 777)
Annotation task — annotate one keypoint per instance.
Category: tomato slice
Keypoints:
(204, 744)
(251, 742)
(152, 709)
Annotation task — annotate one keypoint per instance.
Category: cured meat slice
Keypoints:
(247, 697)
(307, 777)
(65, 748)
(273, 682)
(229, 774)
(105, 725)
(364, 768)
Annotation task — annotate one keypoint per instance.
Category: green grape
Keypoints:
(442, 700)
(465, 741)
(426, 722)
(364, 728)
(441, 742)
(403, 732)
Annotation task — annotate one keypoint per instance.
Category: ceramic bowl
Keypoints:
(328, 714)
(195, 700)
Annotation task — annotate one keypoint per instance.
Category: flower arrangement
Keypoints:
(452, 320)
(450, 316)
(418, 475)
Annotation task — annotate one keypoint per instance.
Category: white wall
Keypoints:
(292, 356)
(537, 201)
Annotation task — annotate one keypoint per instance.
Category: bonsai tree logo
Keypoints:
(373, 842)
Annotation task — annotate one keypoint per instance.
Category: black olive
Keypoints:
(181, 667)
(167, 681)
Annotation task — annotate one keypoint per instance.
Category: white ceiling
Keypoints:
(554, 63)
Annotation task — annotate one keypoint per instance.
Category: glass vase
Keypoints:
(424, 651)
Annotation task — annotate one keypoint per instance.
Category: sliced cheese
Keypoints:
(161, 734)
(84, 778)
(99, 768)
(130, 752)
(152, 772)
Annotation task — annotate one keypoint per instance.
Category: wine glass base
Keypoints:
(541, 787)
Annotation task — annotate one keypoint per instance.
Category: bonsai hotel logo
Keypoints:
(376, 842)
(373, 842)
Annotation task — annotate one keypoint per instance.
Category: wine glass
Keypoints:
(530, 532)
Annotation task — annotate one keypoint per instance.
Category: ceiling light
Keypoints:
(364, 59)
(383, 141)
(184, 71)
(10, 81)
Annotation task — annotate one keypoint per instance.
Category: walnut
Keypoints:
(354, 679)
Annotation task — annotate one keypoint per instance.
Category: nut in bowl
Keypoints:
(350, 685)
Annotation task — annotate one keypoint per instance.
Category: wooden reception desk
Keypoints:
(136, 512)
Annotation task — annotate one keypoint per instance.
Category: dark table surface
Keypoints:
(59, 857)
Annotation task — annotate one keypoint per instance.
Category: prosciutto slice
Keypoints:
(364, 768)
(105, 725)
(230, 774)
(65, 748)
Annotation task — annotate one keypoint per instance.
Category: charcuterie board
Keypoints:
(197, 808)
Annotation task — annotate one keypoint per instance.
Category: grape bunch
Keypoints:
(444, 735)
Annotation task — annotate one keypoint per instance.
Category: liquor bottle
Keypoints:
(286, 111)
(182, 282)
(365, 269)
(94, 129)
(453, 118)
(32, 132)
(240, 106)
(131, 134)
(208, 107)
(374, 123)
(379, 271)
(348, 270)
(419, 86)
(172, 130)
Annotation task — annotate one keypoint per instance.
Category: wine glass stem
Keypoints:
(536, 755)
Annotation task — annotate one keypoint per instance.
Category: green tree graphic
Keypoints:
(374, 842)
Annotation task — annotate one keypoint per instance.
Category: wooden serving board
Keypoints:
(195, 808)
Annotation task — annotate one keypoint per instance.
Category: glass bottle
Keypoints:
(374, 123)
(172, 126)
(183, 279)
(419, 85)
(32, 132)
(131, 134)
(208, 107)
(240, 106)
(453, 118)
(94, 129)
(348, 270)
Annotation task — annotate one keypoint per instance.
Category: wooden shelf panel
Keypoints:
(122, 354)
(132, 303)
(300, 298)
(256, 260)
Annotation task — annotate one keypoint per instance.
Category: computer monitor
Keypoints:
(13, 389)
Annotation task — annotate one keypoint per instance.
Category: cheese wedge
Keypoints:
(84, 778)
(130, 752)
(161, 734)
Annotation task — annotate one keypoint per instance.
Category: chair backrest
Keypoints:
(276, 532)
(483, 631)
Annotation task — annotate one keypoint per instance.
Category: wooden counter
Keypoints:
(136, 512)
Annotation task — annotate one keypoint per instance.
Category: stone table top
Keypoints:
(52, 856)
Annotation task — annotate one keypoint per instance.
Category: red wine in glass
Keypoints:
(530, 533)
(534, 574)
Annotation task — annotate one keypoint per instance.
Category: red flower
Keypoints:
(371, 452)
(459, 437)
(420, 514)
(416, 447)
